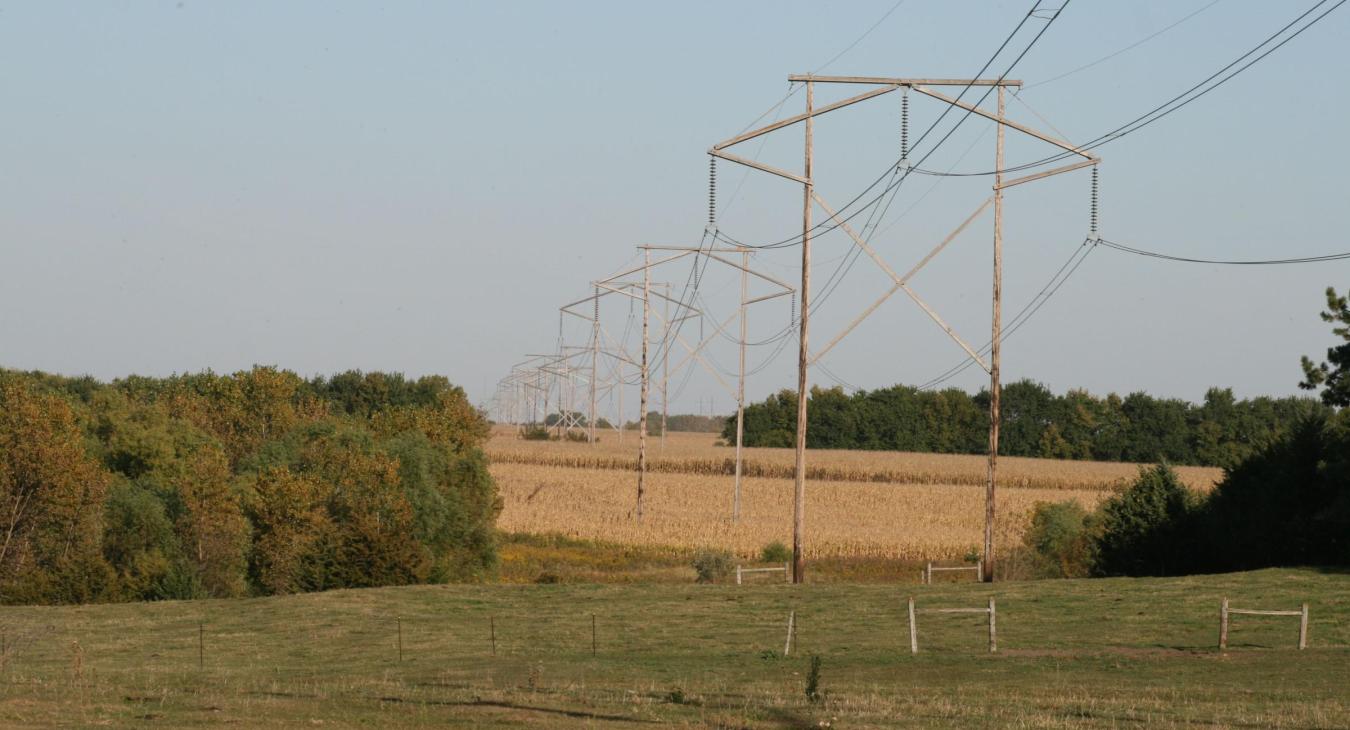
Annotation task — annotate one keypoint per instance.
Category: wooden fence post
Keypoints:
(1223, 625)
(913, 630)
(928, 575)
(979, 570)
(993, 637)
(738, 575)
(1303, 628)
(787, 572)
(792, 620)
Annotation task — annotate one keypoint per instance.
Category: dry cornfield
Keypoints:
(843, 519)
(698, 453)
(859, 504)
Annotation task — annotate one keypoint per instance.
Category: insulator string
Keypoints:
(1094, 218)
(904, 126)
(712, 191)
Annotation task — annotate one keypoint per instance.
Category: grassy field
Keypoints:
(860, 504)
(1099, 654)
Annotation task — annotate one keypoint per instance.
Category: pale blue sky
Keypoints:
(419, 186)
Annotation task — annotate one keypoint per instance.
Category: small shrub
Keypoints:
(676, 696)
(813, 679)
(534, 432)
(712, 565)
(776, 552)
(579, 437)
(1059, 540)
(972, 556)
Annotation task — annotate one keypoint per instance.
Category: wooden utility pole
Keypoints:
(799, 472)
(740, 390)
(642, 397)
(995, 345)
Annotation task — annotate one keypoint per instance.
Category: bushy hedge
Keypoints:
(258, 482)
(1288, 504)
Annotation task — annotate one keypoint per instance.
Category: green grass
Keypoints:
(1091, 653)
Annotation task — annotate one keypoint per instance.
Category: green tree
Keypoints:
(1333, 374)
(1287, 504)
(140, 544)
(1142, 526)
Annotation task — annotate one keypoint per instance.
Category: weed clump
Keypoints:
(813, 679)
(712, 565)
(775, 552)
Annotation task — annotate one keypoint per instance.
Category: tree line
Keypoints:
(258, 482)
(1034, 421)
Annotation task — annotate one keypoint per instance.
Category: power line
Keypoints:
(1029, 310)
(1130, 47)
(1225, 262)
(860, 38)
(1186, 97)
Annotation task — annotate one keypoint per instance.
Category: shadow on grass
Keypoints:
(476, 702)
(575, 714)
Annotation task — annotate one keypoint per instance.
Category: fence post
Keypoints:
(979, 570)
(792, 619)
(1223, 625)
(928, 575)
(592, 634)
(993, 637)
(787, 573)
(913, 630)
(1303, 628)
(399, 621)
(738, 575)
